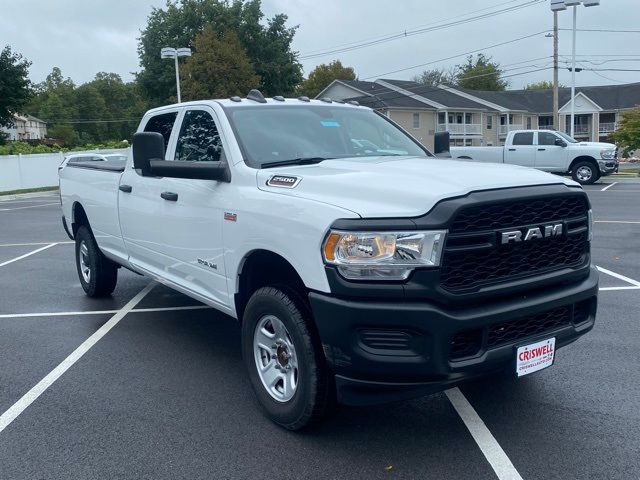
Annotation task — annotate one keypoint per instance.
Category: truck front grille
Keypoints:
(474, 258)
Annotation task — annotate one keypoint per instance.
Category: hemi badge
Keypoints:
(284, 181)
(232, 217)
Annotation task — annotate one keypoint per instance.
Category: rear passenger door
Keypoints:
(522, 151)
(140, 205)
(191, 234)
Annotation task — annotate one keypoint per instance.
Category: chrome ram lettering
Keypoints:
(535, 233)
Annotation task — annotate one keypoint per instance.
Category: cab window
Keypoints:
(523, 138)
(199, 140)
(162, 124)
(546, 138)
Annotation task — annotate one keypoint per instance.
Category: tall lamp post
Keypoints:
(174, 53)
(557, 5)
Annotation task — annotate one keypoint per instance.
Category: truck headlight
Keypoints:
(382, 255)
(608, 154)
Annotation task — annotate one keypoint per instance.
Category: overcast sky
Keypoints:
(83, 37)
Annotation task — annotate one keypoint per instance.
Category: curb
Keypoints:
(6, 198)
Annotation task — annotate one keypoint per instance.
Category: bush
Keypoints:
(15, 148)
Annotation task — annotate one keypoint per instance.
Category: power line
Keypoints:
(470, 52)
(419, 31)
(599, 30)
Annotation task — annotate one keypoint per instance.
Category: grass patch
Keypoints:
(28, 190)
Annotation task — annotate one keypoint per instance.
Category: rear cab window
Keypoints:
(523, 138)
(162, 124)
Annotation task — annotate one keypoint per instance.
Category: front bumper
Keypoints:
(607, 167)
(383, 351)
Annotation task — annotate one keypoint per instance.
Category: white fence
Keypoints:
(18, 172)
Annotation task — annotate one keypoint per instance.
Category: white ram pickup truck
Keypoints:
(361, 267)
(550, 151)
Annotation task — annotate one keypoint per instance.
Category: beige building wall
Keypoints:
(424, 134)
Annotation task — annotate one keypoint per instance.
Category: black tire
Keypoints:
(580, 175)
(312, 398)
(103, 273)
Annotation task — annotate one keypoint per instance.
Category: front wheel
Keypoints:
(98, 275)
(284, 361)
(585, 173)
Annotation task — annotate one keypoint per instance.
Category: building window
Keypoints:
(528, 123)
(489, 122)
(468, 119)
(441, 118)
(468, 142)
(416, 120)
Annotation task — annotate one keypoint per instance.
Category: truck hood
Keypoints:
(601, 145)
(397, 186)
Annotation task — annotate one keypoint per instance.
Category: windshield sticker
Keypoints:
(284, 181)
(329, 124)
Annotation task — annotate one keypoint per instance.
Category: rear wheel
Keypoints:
(284, 361)
(98, 275)
(585, 173)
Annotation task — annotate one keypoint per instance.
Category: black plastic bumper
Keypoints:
(383, 351)
(66, 227)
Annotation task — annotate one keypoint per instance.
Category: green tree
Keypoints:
(481, 74)
(14, 84)
(627, 136)
(219, 68)
(433, 78)
(542, 85)
(268, 44)
(321, 76)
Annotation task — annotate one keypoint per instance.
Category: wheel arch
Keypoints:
(78, 218)
(584, 158)
(260, 268)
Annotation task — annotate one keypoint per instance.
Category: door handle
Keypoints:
(170, 196)
(125, 188)
(541, 149)
(512, 149)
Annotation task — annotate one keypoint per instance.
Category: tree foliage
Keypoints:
(267, 44)
(480, 73)
(104, 109)
(14, 84)
(321, 76)
(627, 136)
(219, 68)
(542, 85)
(435, 77)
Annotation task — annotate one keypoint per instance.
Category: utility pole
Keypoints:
(556, 118)
(573, 72)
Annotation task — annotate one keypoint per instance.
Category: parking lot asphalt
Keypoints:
(163, 394)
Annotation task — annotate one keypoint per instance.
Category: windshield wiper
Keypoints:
(296, 161)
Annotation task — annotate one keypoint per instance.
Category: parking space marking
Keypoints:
(608, 186)
(633, 282)
(30, 244)
(30, 206)
(32, 395)
(489, 446)
(616, 221)
(103, 312)
(27, 254)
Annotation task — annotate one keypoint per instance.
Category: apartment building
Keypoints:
(25, 127)
(475, 118)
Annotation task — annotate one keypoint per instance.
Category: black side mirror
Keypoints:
(441, 144)
(147, 146)
(195, 170)
(560, 143)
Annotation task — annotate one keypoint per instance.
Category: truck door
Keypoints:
(192, 212)
(549, 156)
(140, 206)
(522, 151)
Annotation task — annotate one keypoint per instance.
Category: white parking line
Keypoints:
(103, 312)
(27, 254)
(620, 277)
(31, 206)
(489, 446)
(608, 186)
(32, 395)
(608, 289)
(615, 221)
(31, 244)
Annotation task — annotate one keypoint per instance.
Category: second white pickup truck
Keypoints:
(360, 267)
(550, 151)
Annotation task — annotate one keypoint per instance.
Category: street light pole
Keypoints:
(556, 118)
(573, 71)
(174, 53)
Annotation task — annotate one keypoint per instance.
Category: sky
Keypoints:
(83, 37)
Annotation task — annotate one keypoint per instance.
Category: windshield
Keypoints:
(567, 137)
(275, 134)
